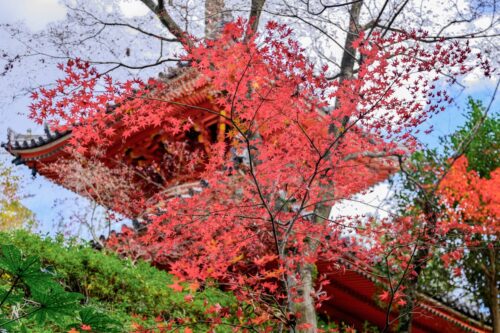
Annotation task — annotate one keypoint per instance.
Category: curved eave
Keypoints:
(356, 287)
(441, 310)
(39, 152)
(41, 148)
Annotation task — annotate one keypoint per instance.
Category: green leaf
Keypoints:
(12, 297)
(98, 321)
(11, 260)
(55, 304)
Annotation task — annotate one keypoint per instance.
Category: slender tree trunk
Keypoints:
(492, 278)
(495, 308)
(419, 260)
(407, 311)
(306, 310)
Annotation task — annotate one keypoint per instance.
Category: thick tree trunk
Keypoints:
(349, 54)
(304, 311)
(255, 12)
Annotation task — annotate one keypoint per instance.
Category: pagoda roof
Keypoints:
(353, 299)
(182, 83)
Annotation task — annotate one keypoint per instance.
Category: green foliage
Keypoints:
(483, 152)
(331, 326)
(115, 289)
(98, 321)
(13, 214)
(31, 294)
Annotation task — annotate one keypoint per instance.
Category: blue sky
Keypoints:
(448, 121)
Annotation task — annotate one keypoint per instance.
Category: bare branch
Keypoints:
(168, 21)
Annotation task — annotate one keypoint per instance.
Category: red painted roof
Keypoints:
(353, 295)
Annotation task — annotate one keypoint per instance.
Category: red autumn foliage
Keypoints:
(287, 155)
(473, 202)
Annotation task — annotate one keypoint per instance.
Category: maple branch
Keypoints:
(196, 107)
(328, 6)
(336, 141)
(120, 24)
(138, 29)
(247, 142)
(327, 219)
(377, 19)
(370, 154)
(326, 153)
(394, 18)
(307, 137)
(437, 38)
(346, 51)
(257, 185)
(331, 201)
(399, 284)
(250, 156)
(120, 64)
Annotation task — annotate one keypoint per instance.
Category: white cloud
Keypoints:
(373, 203)
(35, 13)
(133, 8)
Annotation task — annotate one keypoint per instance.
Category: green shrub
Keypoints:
(117, 287)
(30, 296)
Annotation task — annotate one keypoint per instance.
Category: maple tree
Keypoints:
(262, 221)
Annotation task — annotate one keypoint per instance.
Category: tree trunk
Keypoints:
(349, 54)
(419, 260)
(304, 311)
(255, 12)
(495, 308)
(407, 311)
(492, 279)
